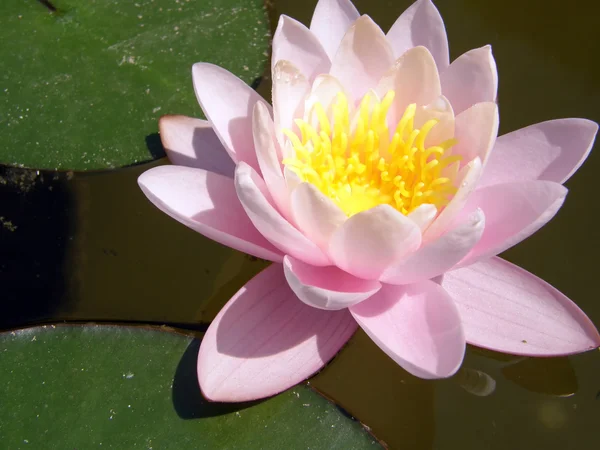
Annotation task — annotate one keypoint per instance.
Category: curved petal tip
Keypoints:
(265, 340)
(327, 288)
(418, 326)
(507, 309)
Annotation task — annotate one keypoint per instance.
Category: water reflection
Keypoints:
(538, 403)
(552, 376)
(89, 246)
(36, 236)
(491, 392)
(475, 381)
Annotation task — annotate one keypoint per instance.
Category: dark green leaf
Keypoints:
(84, 86)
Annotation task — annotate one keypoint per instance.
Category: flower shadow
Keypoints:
(207, 151)
(154, 146)
(224, 214)
(186, 396)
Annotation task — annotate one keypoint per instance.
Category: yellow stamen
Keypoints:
(362, 167)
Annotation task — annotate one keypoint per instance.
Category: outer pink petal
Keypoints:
(207, 203)
(551, 151)
(370, 241)
(326, 287)
(267, 151)
(417, 325)
(265, 340)
(330, 21)
(421, 24)
(513, 212)
(438, 256)
(316, 214)
(193, 143)
(228, 103)
(290, 88)
(414, 78)
(295, 43)
(363, 56)
(476, 129)
(471, 78)
(507, 309)
(255, 199)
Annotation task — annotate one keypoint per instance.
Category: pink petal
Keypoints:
(471, 78)
(265, 340)
(436, 257)
(513, 212)
(423, 215)
(363, 56)
(421, 24)
(330, 21)
(476, 129)
(326, 287)
(268, 160)
(254, 196)
(295, 43)
(417, 325)
(290, 88)
(551, 151)
(207, 203)
(228, 103)
(315, 214)
(440, 110)
(324, 91)
(507, 309)
(291, 179)
(370, 241)
(193, 143)
(467, 182)
(414, 78)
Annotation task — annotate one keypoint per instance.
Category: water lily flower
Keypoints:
(379, 188)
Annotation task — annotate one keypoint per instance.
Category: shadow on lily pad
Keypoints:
(187, 398)
(155, 147)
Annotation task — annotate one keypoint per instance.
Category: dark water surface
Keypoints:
(89, 246)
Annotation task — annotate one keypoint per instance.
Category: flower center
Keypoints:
(360, 166)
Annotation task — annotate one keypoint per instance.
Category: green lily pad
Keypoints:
(84, 86)
(123, 388)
